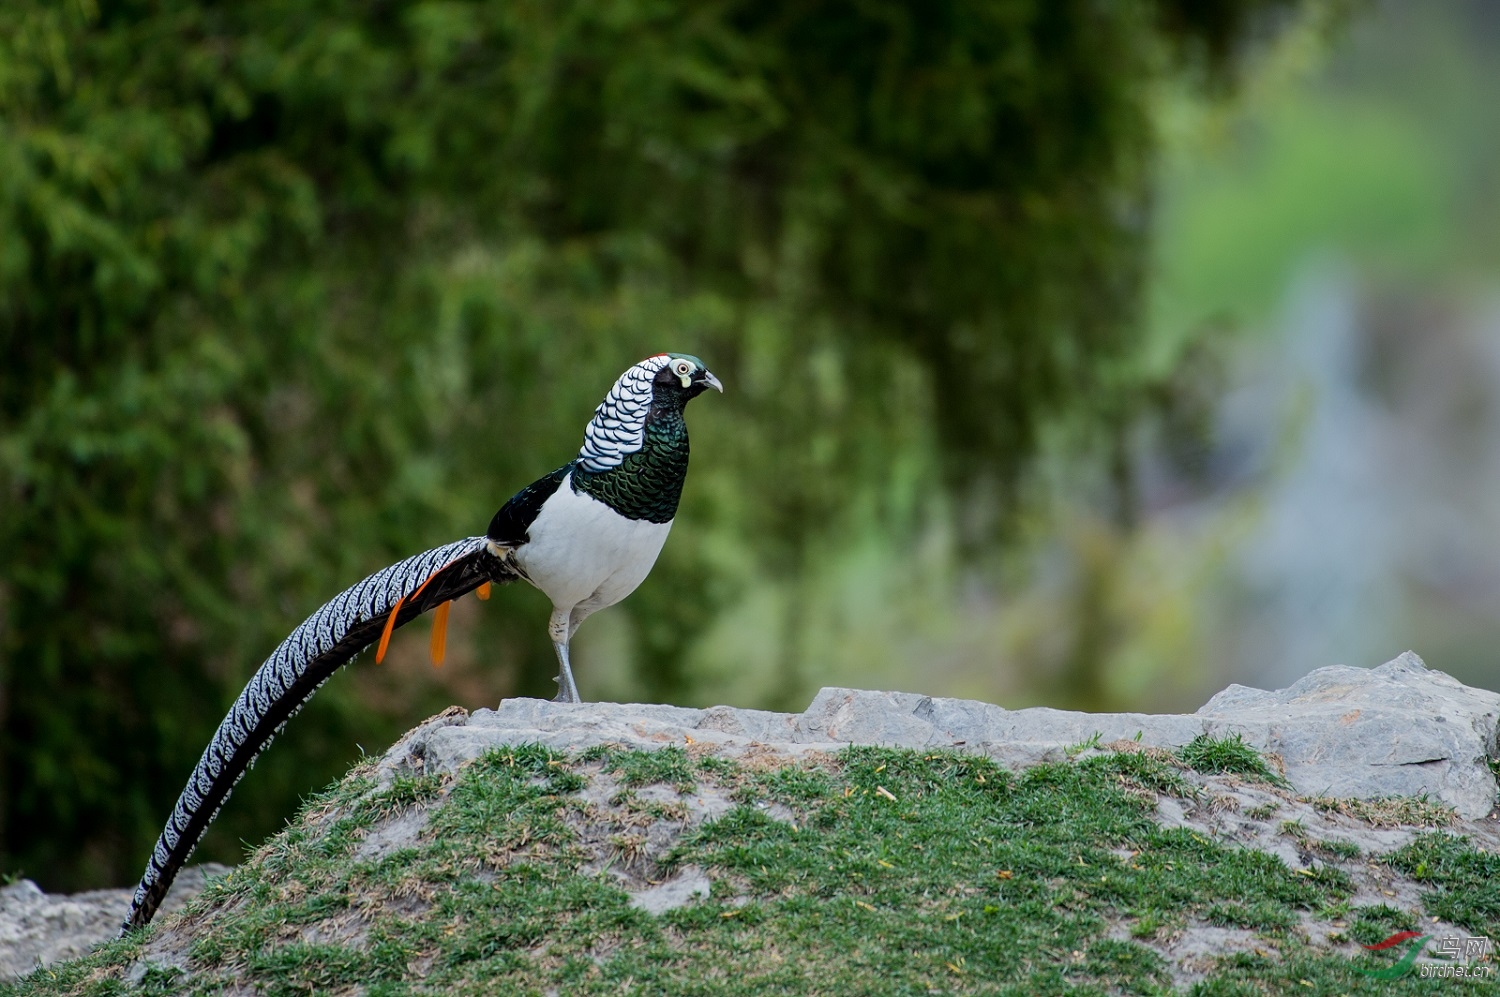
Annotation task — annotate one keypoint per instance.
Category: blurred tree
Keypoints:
(291, 289)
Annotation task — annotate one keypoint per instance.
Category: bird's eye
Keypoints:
(684, 368)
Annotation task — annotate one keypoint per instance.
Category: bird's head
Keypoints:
(684, 375)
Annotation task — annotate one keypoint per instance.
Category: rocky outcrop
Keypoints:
(1399, 730)
(1396, 730)
(38, 929)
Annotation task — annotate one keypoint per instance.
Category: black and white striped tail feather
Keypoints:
(325, 641)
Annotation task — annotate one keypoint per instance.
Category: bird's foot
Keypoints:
(566, 693)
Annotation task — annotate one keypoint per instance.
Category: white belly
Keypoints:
(582, 552)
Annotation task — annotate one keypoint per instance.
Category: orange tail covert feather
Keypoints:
(438, 648)
(385, 635)
(483, 591)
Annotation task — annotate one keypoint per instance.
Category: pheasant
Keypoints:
(586, 535)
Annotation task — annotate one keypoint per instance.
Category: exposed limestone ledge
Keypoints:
(1396, 730)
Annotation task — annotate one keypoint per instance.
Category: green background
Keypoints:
(293, 289)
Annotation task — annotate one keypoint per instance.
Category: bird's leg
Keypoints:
(560, 632)
(567, 691)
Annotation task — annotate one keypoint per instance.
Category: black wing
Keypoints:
(515, 517)
(325, 641)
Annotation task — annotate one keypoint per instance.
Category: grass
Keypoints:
(876, 871)
(1373, 924)
(1394, 811)
(669, 765)
(1227, 755)
(1467, 881)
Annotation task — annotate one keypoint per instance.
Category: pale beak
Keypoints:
(712, 382)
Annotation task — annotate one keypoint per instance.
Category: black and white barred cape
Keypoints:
(326, 640)
(618, 427)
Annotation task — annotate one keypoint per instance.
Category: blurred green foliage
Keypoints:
(1375, 158)
(1380, 155)
(289, 290)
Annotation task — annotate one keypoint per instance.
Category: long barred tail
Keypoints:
(324, 642)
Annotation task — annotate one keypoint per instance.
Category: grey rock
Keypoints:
(38, 929)
(854, 716)
(1397, 730)
(392, 835)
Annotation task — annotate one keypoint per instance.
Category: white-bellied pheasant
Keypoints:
(586, 535)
